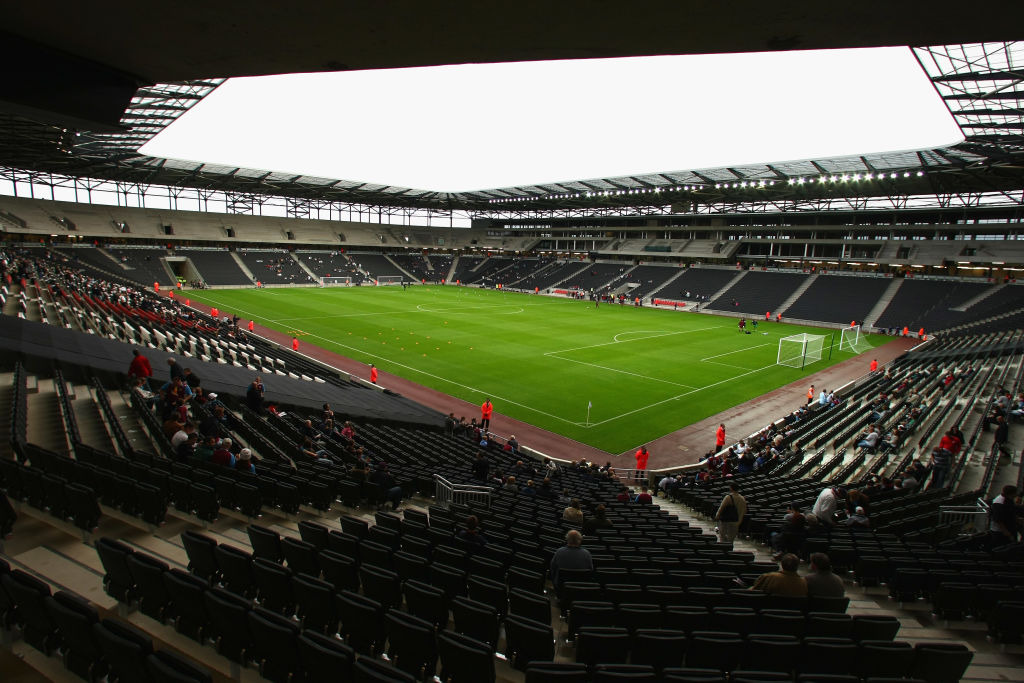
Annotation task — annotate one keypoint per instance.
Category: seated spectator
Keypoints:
(858, 520)
(222, 455)
(644, 497)
(792, 532)
(244, 461)
(623, 496)
(821, 581)
(182, 434)
(513, 444)
(869, 440)
(598, 520)
(187, 448)
(383, 478)
(573, 513)
(480, 467)
(784, 582)
(571, 556)
(529, 489)
(204, 451)
(471, 534)
(511, 485)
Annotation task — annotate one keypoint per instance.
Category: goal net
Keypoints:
(798, 350)
(336, 281)
(388, 280)
(851, 340)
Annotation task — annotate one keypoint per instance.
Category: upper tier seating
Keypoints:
(838, 298)
(331, 264)
(699, 283)
(274, 267)
(595, 277)
(144, 265)
(216, 267)
(758, 292)
(926, 303)
(376, 265)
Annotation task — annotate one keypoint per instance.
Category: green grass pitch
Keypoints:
(645, 372)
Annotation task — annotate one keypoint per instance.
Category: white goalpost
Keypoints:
(388, 280)
(851, 340)
(336, 281)
(798, 350)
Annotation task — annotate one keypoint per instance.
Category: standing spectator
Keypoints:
(641, 463)
(254, 395)
(485, 413)
(720, 438)
(449, 424)
(941, 461)
(140, 366)
(1002, 436)
(1003, 511)
(785, 582)
(821, 581)
(175, 369)
(571, 556)
(730, 514)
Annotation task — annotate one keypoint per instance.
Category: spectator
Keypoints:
(571, 556)
(254, 395)
(1002, 436)
(243, 461)
(791, 534)
(175, 369)
(869, 440)
(471, 534)
(480, 467)
(528, 490)
(510, 484)
(1004, 525)
(941, 461)
(182, 434)
(821, 581)
(785, 582)
(826, 504)
(383, 478)
(644, 497)
(140, 366)
(858, 520)
(187, 449)
(730, 514)
(222, 454)
(598, 520)
(574, 512)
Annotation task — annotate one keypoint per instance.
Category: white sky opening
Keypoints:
(484, 126)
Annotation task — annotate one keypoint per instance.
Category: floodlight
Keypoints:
(920, 173)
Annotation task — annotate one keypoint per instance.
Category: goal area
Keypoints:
(798, 350)
(336, 281)
(852, 340)
(388, 280)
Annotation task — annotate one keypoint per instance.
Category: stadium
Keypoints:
(270, 423)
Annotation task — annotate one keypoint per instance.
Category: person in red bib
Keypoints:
(252, 326)
(295, 343)
(641, 463)
(874, 365)
(140, 366)
(373, 373)
(485, 413)
(720, 438)
(810, 395)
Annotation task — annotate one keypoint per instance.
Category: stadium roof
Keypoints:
(77, 108)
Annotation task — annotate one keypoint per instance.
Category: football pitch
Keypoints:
(611, 376)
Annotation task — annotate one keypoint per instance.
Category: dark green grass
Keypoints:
(646, 372)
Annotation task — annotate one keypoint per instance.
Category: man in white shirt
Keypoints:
(181, 436)
(825, 506)
(870, 439)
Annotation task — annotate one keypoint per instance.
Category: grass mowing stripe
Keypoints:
(540, 359)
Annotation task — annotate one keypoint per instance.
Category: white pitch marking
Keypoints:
(624, 372)
(673, 398)
(736, 351)
(653, 336)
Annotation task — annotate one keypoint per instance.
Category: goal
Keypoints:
(798, 350)
(336, 281)
(851, 340)
(388, 280)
